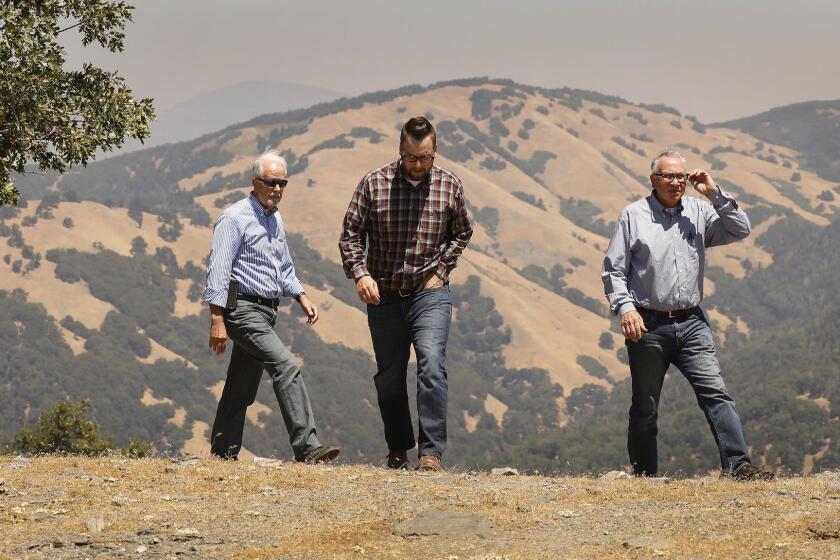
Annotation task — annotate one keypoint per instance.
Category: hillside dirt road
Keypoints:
(68, 507)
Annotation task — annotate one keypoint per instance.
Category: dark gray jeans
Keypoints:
(688, 344)
(256, 347)
(421, 320)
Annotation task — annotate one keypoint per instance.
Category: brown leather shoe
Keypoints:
(429, 463)
(398, 460)
(322, 454)
(748, 472)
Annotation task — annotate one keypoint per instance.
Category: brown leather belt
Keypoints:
(672, 314)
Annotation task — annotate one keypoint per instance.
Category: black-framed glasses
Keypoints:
(274, 182)
(680, 177)
(411, 158)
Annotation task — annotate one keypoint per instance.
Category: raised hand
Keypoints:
(702, 182)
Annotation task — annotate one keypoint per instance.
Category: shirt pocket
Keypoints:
(433, 221)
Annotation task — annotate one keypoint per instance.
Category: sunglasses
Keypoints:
(274, 182)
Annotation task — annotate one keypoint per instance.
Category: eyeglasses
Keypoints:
(680, 177)
(274, 182)
(410, 158)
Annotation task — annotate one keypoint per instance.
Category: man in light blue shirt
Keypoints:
(653, 279)
(249, 270)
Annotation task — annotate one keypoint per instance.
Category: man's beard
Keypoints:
(415, 175)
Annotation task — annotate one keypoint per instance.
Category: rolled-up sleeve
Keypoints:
(290, 285)
(227, 241)
(617, 267)
(725, 220)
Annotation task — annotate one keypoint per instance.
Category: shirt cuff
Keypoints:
(213, 297)
(625, 307)
(718, 198)
(294, 290)
(442, 271)
(360, 271)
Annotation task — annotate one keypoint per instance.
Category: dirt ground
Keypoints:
(70, 507)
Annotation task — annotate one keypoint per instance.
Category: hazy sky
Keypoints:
(715, 59)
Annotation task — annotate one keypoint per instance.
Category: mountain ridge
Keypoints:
(546, 171)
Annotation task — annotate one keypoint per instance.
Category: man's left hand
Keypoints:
(702, 181)
(308, 308)
(432, 281)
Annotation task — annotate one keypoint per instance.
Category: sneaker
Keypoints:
(429, 463)
(398, 460)
(749, 472)
(322, 454)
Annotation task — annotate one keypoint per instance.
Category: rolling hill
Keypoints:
(107, 264)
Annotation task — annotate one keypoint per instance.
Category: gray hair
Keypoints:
(268, 155)
(667, 152)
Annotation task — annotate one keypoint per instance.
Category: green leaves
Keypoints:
(63, 429)
(52, 118)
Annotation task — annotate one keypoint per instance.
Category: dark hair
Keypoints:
(418, 128)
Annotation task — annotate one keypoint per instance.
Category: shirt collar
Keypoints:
(657, 207)
(255, 204)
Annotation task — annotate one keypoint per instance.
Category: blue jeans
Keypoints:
(256, 347)
(688, 344)
(421, 320)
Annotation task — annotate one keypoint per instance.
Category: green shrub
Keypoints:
(136, 449)
(63, 429)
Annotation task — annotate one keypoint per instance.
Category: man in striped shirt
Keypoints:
(404, 230)
(248, 270)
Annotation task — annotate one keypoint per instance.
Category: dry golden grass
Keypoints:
(212, 509)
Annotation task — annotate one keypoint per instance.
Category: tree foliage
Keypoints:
(63, 429)
(55, 118)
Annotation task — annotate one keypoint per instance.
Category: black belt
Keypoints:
(268, 302)
(672, 314)
(391, 295)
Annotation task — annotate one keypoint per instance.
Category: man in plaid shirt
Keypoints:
(411, 218)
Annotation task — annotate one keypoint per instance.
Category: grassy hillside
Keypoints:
(811, 128)
(109, 264)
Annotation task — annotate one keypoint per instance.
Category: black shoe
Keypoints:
(220, 449)
(322, 454)
(748, 472)
(398, 460)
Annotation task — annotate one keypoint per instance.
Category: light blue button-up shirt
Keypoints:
(656, 257)
(249, 245)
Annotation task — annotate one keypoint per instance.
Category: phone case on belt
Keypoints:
(233, 291)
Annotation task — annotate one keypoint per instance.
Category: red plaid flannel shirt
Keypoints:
(409, 232)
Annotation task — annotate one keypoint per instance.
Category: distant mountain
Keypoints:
(101, 274)
(217, 109)
(811, 128)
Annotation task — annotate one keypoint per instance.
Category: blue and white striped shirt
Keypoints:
(249, 245)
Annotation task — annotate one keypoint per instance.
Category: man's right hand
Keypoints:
(218, 332)
(632, 325)
(367, 290)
